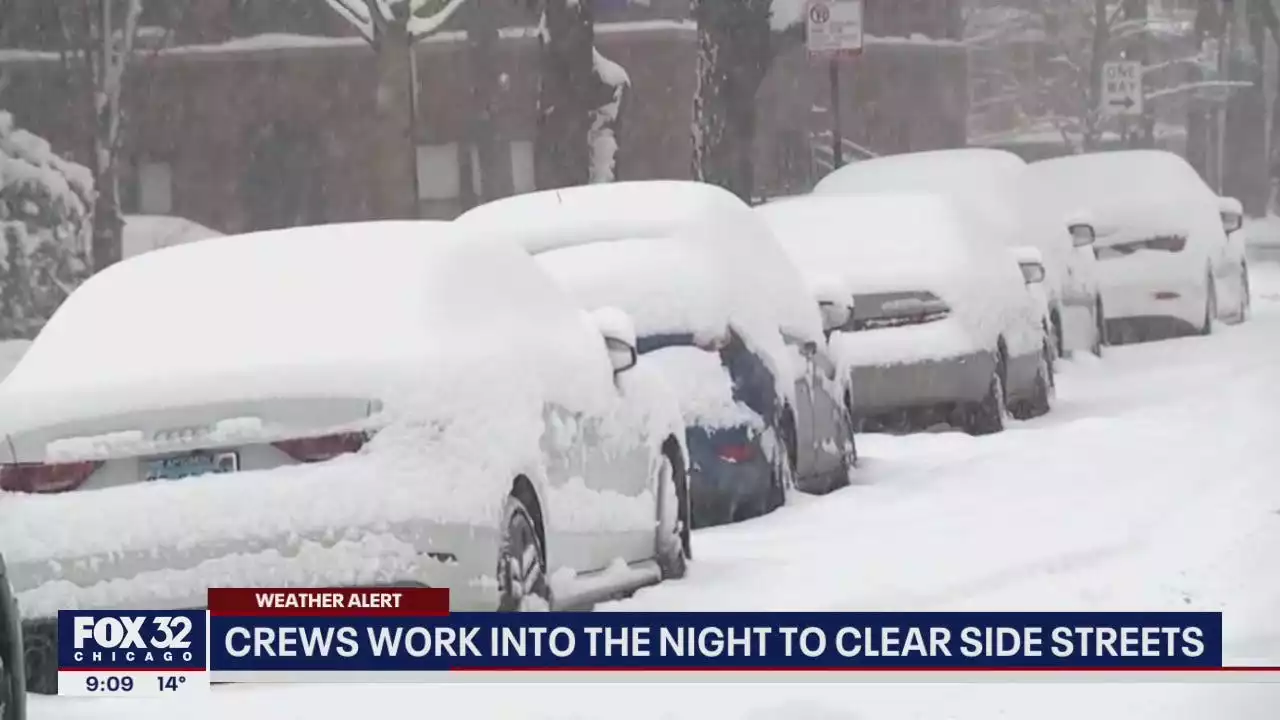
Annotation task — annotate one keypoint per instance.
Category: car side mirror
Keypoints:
(1082, 234)
(1232, 213)
(619, 334)
(810, 349)
(835, 315)
(1032, 272)
(622, 356)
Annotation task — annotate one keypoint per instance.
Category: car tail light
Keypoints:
(310, 450)
(37, 478)
(735, 453)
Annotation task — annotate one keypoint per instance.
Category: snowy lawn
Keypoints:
(1152, 485)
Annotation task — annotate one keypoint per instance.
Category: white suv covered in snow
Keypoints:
(220, 414)
(992, 182)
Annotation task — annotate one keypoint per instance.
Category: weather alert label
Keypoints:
(132, 653)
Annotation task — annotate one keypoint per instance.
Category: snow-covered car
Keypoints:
(943, 329)
(13, 681)
(696, 268)
(217, 415)
(992, 182)
(1167, 257)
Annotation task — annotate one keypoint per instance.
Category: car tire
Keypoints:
(673, 518)
(1210, 306)
(13, 681)
(1057, 338)
(522, 561)
(990, 415)
(1042, 401)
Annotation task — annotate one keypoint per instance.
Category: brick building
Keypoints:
(251, 115)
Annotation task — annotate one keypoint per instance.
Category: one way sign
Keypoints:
(1122, 88)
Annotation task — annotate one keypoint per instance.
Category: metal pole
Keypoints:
(1224, 74)
(837, 139)
(413, 126)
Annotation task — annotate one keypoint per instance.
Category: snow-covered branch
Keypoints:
(422, 26)
(1201, 85)
(356, 13)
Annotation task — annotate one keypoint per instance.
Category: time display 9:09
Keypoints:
(111, 683)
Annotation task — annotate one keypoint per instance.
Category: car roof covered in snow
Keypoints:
(1128, 192)
(768, 291)
(876, 243)
(304, 311)
(989, 180)
(665, 286)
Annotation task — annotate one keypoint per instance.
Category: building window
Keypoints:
(155, 188)
(438, 176)
(522, 177)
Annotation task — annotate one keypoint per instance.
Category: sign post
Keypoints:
(833, 29)
(1122, 89)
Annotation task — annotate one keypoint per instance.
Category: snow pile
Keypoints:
(602, 136)
(704, 388)
(766, 292)
(144, 233)
(911, 243)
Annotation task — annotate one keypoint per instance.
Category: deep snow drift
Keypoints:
(1152, 485)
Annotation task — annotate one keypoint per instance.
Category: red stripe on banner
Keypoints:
(330, 602)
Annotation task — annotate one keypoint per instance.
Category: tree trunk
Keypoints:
(734, 53)
(394, 147)
(1092, 130)
(1138, 49)
(561, 151)
(494, 166)
(1200, 131)
(1247, 165)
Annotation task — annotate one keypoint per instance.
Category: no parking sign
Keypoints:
(833, 28)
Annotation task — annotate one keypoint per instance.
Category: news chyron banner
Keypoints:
(398, 635)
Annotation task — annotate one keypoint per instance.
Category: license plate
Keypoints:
(181, 466)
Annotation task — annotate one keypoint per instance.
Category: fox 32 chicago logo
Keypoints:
(131, 640)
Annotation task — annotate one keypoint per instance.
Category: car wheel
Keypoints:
(990, 415)
(522, 563)
(1042, 401)
(13, 680)
(673, 522)
(1210, 307)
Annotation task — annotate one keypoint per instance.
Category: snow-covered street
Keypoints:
(1152, 485)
